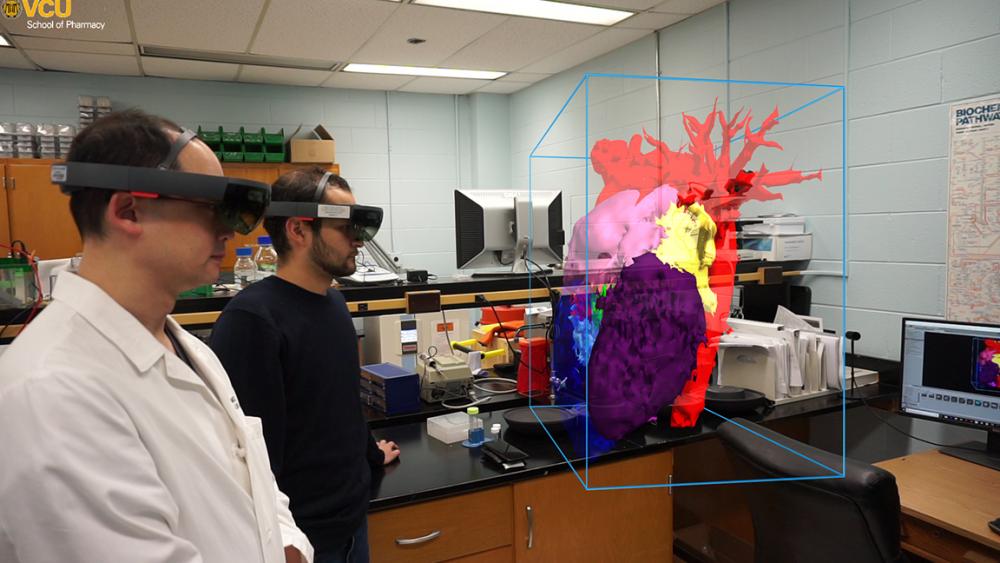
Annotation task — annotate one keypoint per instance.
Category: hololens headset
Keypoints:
(238, 204)
(364, 219)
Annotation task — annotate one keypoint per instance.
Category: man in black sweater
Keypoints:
(289, 346)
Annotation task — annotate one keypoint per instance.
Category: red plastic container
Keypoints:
(534, 354)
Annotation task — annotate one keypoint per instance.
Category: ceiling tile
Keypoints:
(518, 42)
(651, 21)
(219, 25)
(628, 5)
(497, 87)
(445, 31)
(686, 6)
(109, 12)
(46, 44)
(85, 62)
(604, 42)
(432, 85)
(361, 81)
(12, 58)
(529, 77)
(276, 75)
(319, 29)
(191, 70)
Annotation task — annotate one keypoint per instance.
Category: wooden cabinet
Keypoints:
(545, 519)
(37, 212)
(462, 527)
(555, 519)
(33, 210)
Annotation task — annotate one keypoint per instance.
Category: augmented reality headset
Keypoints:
(238, 204)
(365, 220)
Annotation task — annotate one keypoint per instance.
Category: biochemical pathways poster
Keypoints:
(974, 212)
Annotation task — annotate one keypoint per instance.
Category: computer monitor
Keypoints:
(502, 228)
(951, 373)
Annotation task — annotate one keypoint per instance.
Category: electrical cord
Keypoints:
(503, 333)
(886, 422)
(553, 298)
(498, 380)
(446, 335)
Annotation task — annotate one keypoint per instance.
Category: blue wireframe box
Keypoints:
(390, 389)
(639, 152)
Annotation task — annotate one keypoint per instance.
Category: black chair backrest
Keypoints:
(852, 519)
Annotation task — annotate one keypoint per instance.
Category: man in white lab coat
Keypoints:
(121, 438)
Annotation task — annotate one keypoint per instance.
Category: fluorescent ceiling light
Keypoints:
(536, 9)
(234, 58)
(4, 42)
(424, 71)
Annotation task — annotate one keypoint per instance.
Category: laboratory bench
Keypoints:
(196, 313)
(441, 502)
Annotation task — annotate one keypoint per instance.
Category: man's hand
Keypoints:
(292, 555)
(390, 450)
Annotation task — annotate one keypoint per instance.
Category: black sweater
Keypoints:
(292, 356)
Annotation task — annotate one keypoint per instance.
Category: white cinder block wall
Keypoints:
(905, 63)
(398, 150)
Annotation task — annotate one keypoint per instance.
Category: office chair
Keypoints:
(853, 518)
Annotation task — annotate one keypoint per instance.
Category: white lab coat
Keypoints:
(113, 449)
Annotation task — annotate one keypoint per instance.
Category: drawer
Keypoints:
(937, 544)
(498, 555)
(443, 529)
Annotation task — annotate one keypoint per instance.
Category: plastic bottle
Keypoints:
(266, 258)
(244, 270)
(495, 432)
(476, 433)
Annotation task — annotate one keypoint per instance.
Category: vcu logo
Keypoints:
(11, 8)
(42, 8)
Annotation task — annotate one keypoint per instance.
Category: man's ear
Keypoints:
(123, 215)
(298, 232)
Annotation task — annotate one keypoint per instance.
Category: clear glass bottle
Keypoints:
(244, 270)
(476, 433)
(266, 258)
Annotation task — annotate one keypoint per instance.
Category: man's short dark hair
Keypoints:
(297, 185)
(132, 138)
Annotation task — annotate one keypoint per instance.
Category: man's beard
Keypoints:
(322, 257)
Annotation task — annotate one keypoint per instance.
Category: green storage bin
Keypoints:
(274, 138)
(274, 156)
(232, 137)
(274, 153)
(212, 137)
(256, 138)
(249, 156)
(232, 156)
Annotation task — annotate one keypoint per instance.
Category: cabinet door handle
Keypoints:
(421, 539)
(13, 183)
(531, 526)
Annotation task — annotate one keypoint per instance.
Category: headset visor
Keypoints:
(365, 220)
(239, 204)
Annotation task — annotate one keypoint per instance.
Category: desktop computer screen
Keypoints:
(489, 225)
(951, 373)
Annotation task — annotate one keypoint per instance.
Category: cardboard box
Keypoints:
(320, 150)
